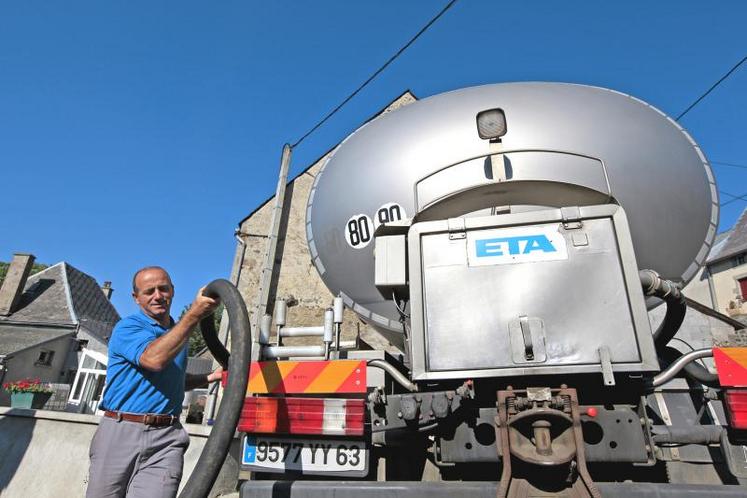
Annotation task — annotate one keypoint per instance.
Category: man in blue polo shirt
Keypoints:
(138, 449)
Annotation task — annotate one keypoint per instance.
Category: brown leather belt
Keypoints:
(152, 419)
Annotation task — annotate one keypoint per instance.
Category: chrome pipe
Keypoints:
(395, 374)
(264, 329)
(666, 375)
(274, 352)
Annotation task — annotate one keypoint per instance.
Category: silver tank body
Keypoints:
(607, 143)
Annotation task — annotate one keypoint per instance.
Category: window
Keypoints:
(99, 390)
(90, 362)
(739, 259)
(78, 387)
(743, 288)
(45, 358)
(89, 382)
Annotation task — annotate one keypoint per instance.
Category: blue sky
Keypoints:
(137, 133)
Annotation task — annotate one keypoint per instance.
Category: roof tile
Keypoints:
(734, 243)
(45, 300)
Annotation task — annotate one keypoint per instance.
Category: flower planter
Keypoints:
(21, 400)
(29, 400)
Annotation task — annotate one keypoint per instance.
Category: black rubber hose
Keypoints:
(210, 335)
(693, 370)
(217, 446)
(654, 285)
(673, 318)
(687, 434)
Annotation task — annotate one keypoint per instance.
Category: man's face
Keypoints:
(154, 293)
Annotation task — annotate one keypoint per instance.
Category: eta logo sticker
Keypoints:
(528, 244)
(513, 245)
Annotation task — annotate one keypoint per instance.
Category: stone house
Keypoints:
(721, 285)
(726, 270)
(55, 326)
(298, 280)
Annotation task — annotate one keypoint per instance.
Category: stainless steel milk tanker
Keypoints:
(564, 145)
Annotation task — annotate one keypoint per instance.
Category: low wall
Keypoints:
(45, 454)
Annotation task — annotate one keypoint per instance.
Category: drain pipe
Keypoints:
(3, 367)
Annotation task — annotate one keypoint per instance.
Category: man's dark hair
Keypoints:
(145, 268)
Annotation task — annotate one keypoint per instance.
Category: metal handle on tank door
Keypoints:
(526, 333)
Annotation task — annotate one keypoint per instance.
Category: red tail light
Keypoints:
(731, 365)
(331, 416)
(736, 404)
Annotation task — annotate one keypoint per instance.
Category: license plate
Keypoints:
(307, 456)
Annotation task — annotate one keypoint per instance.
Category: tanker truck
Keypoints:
(509, 240)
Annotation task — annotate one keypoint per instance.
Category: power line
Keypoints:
(734, 198)
(711, 89)
(375, 74)
(733, 165)
(727, 193)
(742, 197)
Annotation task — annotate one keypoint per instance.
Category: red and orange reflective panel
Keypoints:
(731, 364)
(307, 377)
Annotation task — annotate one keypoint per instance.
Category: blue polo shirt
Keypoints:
(132, 388)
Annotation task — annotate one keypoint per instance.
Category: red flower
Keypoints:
(27, 386)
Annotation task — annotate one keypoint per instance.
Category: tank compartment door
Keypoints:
(528, 293)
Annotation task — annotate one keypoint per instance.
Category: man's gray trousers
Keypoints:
(136, 460)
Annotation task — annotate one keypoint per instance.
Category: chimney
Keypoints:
(107, 290)
(15, 281)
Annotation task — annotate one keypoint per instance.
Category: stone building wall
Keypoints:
(298, 277)
(24, 364)
(726, 275)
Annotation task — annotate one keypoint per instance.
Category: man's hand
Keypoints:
(202, 305)
(216, 375)
(193, 381)
(161, 351)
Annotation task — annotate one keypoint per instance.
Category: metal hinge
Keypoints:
(571, 217)
(457, 229)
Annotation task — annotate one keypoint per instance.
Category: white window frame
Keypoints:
(82, 375)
